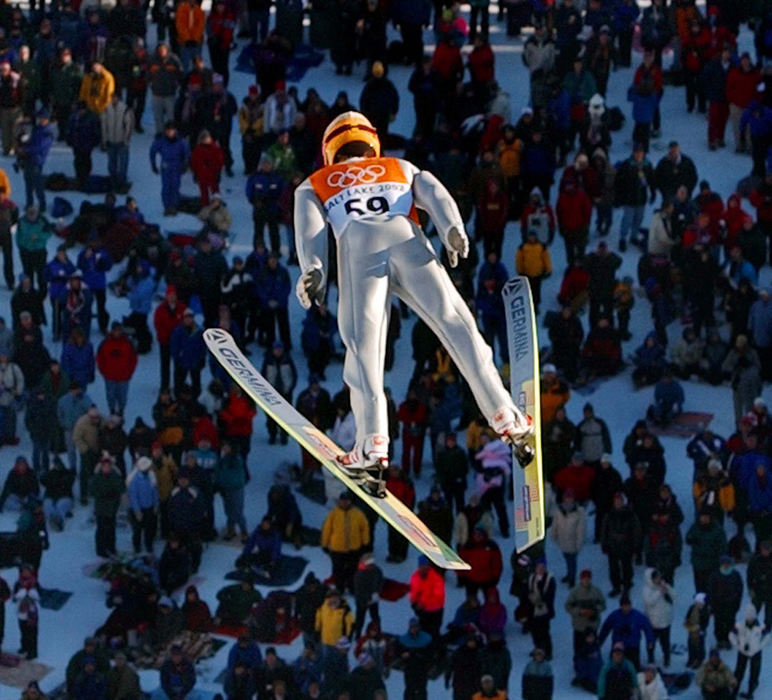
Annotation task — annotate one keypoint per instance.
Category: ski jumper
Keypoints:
(371, 205)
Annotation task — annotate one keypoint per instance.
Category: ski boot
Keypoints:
(367, 464)
(516, 429)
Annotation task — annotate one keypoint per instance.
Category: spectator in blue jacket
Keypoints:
(245, 651)
(230, 478)
(284, 512)
(490, 307)
(143, 504)
(83, 136)
(90, 684)
(78, 358)
(757, 118)
(645, 102)
(188, 352)
(57, 274)
(178, 676)
(759, 488)
(263, 190)
(273, 290)
(95, 262)
(318, 338)
(411, 16)
(32, 154)
(760, 330)
(649, 361)
(668, 399)
(537, 163)
(626, 625)
(623, 19)
(263, 547)
(142, 285)
(175, 156)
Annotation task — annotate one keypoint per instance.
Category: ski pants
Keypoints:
(394, 257)
(739, 671)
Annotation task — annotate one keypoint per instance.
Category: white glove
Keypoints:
(457, 244)
(309, 287)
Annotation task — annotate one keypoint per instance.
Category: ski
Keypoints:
(389, 507)
(524, 373)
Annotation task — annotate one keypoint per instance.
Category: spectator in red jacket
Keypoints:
(576, 475)
(399, 483)
(449, 69)
(116, 360)
(166, 318)
(237, 416)
(482, 66)
(413, 415)
(741, 86)
(602, 351)
(206, 162)
(484, 556)
(574, 210)
(693, 61)
(574, 289)
(733, 217)
(493, 211)
(427, 596)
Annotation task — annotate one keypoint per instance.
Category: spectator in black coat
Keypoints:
(760, 581)
(601, 266)
(175, 565)
(673, 171)
(538, 682)
(725, 593)
(379, 100)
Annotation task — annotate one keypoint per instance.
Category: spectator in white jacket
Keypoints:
(650, 684)
(117, 127)
(568, 527)
(749, 636)
(658, 598)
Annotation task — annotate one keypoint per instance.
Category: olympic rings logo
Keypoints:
(355, 175)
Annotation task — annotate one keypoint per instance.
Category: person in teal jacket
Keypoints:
(32, 237)
(230, 477)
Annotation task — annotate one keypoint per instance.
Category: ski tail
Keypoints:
(524, 385)
(389, 507)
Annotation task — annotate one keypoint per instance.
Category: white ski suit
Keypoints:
(382, 251)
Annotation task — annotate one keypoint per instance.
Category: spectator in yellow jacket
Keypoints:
(97, 88)
(533, 260)
(333, 620)
(190, 22)
(345, 534)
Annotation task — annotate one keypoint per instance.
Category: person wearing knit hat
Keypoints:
(144, 503)
(748, 636)
(585, 603)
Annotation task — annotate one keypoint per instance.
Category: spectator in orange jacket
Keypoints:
(554, 393)
(237, 416)
(427, 596)
(116, 360)
(190, 22)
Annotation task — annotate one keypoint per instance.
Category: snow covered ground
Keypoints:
(62, 632)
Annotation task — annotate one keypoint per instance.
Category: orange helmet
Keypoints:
(345, 128)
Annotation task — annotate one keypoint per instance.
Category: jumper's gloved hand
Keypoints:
(456, 245)
(310, 287)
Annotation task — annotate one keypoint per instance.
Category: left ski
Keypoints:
(389, 507)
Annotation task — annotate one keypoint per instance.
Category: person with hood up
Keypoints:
(650, 684)
(658, 602)
(538, 216)
(749, 636)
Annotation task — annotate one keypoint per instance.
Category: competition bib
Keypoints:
(363, 189)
